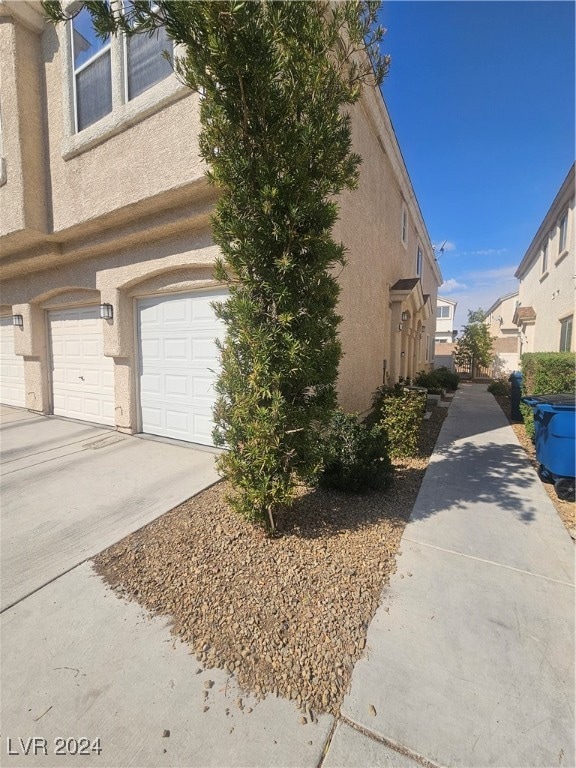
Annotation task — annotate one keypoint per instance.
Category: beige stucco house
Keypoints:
(445, 333)
(545, 308)
(504, 331)
(106, 253)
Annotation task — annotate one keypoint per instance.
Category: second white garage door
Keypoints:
(82, 378)
(179, 364)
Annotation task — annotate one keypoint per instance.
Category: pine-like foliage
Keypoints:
(475, 346)
(275, 78)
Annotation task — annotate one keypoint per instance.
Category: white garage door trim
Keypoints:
(82, 377)
(178, 364)
(12, 387)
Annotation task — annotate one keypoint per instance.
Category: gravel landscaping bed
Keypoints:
(285, 615)
(566, 509)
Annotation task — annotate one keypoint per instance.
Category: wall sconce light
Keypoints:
(423, 327)
(18, 321)
(400, 327)
(402, 354)
(106, 311)
(405, 315)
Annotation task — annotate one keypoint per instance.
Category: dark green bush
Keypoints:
(499, 388)
(428, 380)
(546, 373)
(356, 458)
(399, 411)
(448, 379)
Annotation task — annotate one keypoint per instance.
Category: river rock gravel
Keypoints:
(287, 615)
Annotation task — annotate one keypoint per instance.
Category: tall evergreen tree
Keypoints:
(276, 78)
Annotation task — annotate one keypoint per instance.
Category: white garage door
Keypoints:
(12, 390)
(179, 364)
(82, 378)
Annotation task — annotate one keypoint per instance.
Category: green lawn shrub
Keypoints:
(400, 412)
(356, 456)
(499, 388)
(545, 373)
(447, 378)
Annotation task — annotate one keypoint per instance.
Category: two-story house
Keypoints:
(545, 310)
(445, 334)
(106, 249)
(504, 332)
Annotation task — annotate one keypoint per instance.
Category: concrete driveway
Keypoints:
(70, 489)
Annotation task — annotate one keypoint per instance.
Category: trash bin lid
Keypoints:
(560, 400)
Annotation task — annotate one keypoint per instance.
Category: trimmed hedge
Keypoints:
(500, 388)
(356, 456)
(400, 412)
(437, 379)
(546, 373)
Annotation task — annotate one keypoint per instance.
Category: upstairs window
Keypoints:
(146, 64)
(419, 263)
(443, 312)
(566, 334)
(92, 72)
(103, 81)
(562, 233)
(545, 257)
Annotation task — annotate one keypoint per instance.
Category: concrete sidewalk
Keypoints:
(469, 658)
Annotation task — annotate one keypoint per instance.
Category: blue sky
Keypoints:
(481, 95)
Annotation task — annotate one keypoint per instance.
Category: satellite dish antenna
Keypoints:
(440, 250)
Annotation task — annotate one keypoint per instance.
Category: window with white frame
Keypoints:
(142, 60)
(419, 262)
(562, 232)
(91, 58)
(545, 257)
(566, 334)
(443, 311)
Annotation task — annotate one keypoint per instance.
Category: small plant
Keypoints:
(399, 411)
(447, 378)
(499, 388)
(357, 457)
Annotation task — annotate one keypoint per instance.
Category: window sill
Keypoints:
(561, 256)
(544, 276)
(127, 115)
(3, 176)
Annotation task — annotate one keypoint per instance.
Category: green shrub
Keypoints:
(428, 380)
(357, 458)
(545, 373)
(399, 411)
(448, 379)
(499, 388)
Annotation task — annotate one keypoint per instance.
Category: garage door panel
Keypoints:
(12, 388)
(82, 377)
(178, 364)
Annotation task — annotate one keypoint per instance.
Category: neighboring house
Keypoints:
(445, 333)
(545, 310)
(445, 312)
(106, 249)
(500, 322)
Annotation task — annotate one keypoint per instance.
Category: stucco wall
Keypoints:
(551, 293)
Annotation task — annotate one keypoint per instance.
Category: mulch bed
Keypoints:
(566, 509)
(285, 615)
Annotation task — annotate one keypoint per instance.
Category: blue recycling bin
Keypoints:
(555, 439)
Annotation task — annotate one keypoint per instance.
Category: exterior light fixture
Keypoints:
(18, 321)
(405, 315)
(400, 327)
(106, 311)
